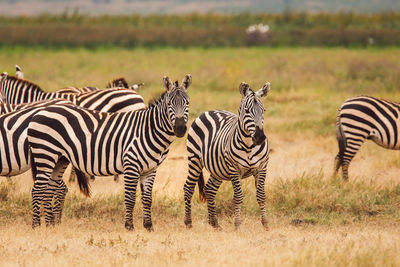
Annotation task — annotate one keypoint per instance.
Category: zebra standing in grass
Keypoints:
(107, 100)
(133, 143)
(362, 118)
(231, 147)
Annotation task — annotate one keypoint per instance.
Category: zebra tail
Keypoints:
(83, 183)
(341, 138)
(202, 192)
(33, 167)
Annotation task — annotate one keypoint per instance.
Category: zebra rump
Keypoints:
(362, 118)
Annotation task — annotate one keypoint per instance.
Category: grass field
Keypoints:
(315, 219)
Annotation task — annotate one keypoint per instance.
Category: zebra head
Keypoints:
(177, 101)
(251, 112)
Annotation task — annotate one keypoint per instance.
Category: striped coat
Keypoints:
(230, 147)
(133, 143)
(365, 118)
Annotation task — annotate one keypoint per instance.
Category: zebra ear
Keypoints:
(187, 81)
(244, 88)
(18, 72)
(264, 90)
(167, 83)
(3, 75)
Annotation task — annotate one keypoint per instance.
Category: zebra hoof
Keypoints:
(237, 224)
(148, 226)
(35, 225)
(188, 223)
(50, 224)
(215, 225)
(265, 224)
(129, 226)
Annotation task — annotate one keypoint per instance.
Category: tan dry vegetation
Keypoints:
(315, 220)
(86, 242)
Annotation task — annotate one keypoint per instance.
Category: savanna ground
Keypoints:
(315, 219)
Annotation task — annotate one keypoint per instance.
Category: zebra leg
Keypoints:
(238, 199)
(212, 187)
(146, 186)
(38, 192)
(61, 192)
(260, 194)
(131, 178)
(195, 171)
(55, 190)
(350, 151)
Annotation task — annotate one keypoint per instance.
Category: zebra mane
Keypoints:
(154, 101)
(19, 80)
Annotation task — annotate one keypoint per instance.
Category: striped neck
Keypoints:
(241, 138)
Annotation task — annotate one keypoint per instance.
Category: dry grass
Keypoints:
(315, 219)
(97, 243)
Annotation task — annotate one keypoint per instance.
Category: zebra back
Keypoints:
(372, 118)
(17, 91)
(77, 90)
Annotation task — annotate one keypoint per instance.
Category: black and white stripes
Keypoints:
(231, 147)
(14, 153)
(362, 118)
(133, 143)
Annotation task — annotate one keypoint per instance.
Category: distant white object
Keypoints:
(257, 28)
(257, 34)
(371, 41)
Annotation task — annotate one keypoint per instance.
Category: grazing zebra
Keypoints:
(17, 91)
(231, 147)
(133, 143)
(362, 118)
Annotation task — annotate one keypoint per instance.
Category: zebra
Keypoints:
(16, 91)
(107, 100)
(133, 143)
(361, 118)
(231, 147)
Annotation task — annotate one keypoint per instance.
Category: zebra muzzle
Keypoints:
(259, 136)
(180, 127)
